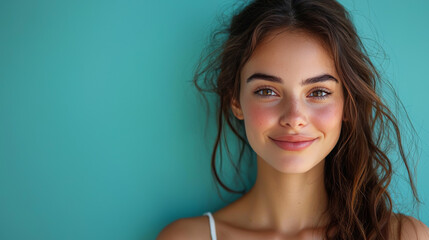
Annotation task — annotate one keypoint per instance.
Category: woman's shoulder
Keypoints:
(408, 227)
(186, 228)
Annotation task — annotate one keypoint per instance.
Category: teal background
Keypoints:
(102, 133)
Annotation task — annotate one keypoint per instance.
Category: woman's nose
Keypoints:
(293, 114)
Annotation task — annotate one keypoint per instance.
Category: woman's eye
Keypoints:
(321, 94)
(265, 92)
(268, 92)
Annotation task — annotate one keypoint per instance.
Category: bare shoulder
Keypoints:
(409, 228)
(186, 228)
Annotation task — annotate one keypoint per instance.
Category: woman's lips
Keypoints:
(293, 143)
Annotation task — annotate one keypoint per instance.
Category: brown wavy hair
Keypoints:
(358, 170)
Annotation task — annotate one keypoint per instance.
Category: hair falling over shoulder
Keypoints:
(358, 170)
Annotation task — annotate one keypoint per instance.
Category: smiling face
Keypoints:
(291, 101)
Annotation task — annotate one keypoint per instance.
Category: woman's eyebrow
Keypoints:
(316, 79)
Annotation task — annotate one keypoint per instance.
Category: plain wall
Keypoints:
(101, 131)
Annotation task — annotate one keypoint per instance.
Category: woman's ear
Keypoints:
(236, 109)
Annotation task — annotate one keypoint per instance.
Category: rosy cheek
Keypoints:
(327, 117)
(259, 115)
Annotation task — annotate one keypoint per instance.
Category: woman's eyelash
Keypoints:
(265, 89)
(322, 93)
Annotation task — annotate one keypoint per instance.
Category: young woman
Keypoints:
(295, 84)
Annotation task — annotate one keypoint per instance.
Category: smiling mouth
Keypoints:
(293, 145)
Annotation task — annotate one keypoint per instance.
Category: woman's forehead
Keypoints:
(295, 54)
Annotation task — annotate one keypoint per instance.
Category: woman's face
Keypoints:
(291, 101)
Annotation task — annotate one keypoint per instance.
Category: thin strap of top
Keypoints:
(212, 225)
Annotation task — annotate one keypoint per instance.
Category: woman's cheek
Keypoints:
(328, 117)
(259, 116)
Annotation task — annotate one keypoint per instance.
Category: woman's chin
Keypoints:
(295, 165)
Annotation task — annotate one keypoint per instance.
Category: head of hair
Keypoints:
(358, 170)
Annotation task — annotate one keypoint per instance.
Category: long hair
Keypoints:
(357, 170)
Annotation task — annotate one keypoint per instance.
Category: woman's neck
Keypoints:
(288, 203)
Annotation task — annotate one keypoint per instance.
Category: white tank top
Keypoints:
(212, 225)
